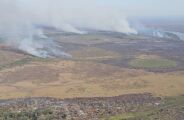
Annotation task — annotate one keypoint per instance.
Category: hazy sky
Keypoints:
(149, 7)
(128, 7)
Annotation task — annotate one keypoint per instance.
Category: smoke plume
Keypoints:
(20, 20)
(159, 33)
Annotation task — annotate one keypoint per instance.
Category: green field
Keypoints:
(152, 63)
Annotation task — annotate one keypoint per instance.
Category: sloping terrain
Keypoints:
(77, 109)
(102, 64)
(65, 79)
(125, 107)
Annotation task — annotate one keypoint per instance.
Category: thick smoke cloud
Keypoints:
(19, 21)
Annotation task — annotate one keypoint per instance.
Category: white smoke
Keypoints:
(178, 34)
(159, 33)
(19, 21)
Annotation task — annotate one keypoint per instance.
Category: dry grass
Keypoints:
(7, 57)
(65, 79)
(93, 53)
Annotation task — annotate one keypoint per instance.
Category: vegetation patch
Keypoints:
(22, 61)
(152, 62)
(170, 109)
(93, 53)
(16, 63)
(45, 114)
(121, 117)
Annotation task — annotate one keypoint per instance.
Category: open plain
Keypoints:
(103, 64)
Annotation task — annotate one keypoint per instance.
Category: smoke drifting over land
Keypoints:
(20, 20)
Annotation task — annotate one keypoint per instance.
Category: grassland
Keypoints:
(67, 79)
(149, 62)
(152, 62)
(94, 54)
(86, 74)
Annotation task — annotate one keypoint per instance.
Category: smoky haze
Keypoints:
(20, 20)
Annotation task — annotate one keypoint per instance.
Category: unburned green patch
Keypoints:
(93, 53)
(152, 63)
(121, 117)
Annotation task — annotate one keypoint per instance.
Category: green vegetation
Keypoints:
(46, 114)
(162, 112)
(152, 63)
(16, 63)
(130, 116)
(94, 54)
(23, 61)
(169, 109)
(121, 117)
